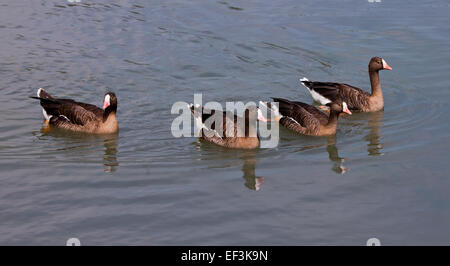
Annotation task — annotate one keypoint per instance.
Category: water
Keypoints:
(384, 175)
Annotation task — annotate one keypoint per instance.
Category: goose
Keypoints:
(357, 99)
(230, 134)
(77, 116)
(307, 119)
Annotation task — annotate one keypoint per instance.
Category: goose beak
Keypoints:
(261, 116)
(345, 109)
(386, 66)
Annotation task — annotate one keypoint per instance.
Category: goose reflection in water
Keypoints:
(252, 181)
(333, 155)
(374, 124)
(232, 158)
(85, 145)
(110, 162)
(374, 145)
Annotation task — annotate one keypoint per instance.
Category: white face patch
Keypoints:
(345, 108)
(384, 63)
(261, 116)
(107, 99)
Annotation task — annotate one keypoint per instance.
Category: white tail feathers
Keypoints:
(302, 80)
(38, 94)
(316, 96)
(47, 117)
(65, 117)
(197, 117)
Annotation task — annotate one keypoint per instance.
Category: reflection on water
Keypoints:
(374, 124)
(231, 158)
(109, 158)
(333, 154)
(374, 146)
(85, 145)
(252, 181)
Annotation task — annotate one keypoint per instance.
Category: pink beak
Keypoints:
(387, 67)
(347, 111)
(105, 105)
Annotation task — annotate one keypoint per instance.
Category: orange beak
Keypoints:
(386, 66)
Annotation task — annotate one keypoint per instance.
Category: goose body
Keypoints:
(80, 117)
(229, 134)
(307, 119)
(356, 98)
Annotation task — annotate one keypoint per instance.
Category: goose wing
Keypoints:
(321, 116)
(296, 118)
(90, 107)
(324, 92)
(355, 98)
(327, 90)
(69, 109)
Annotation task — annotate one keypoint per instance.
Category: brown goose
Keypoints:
(307, 119)
(357, 99)
(230, 134)
(80, 117)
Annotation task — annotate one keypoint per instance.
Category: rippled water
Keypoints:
(384, 175)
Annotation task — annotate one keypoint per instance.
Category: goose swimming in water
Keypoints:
(77, 116)
(230, 134)
(356, 99)
(307, 119)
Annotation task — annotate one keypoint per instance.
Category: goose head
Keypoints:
(378, 63)
(110, 102)
(339, 107)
